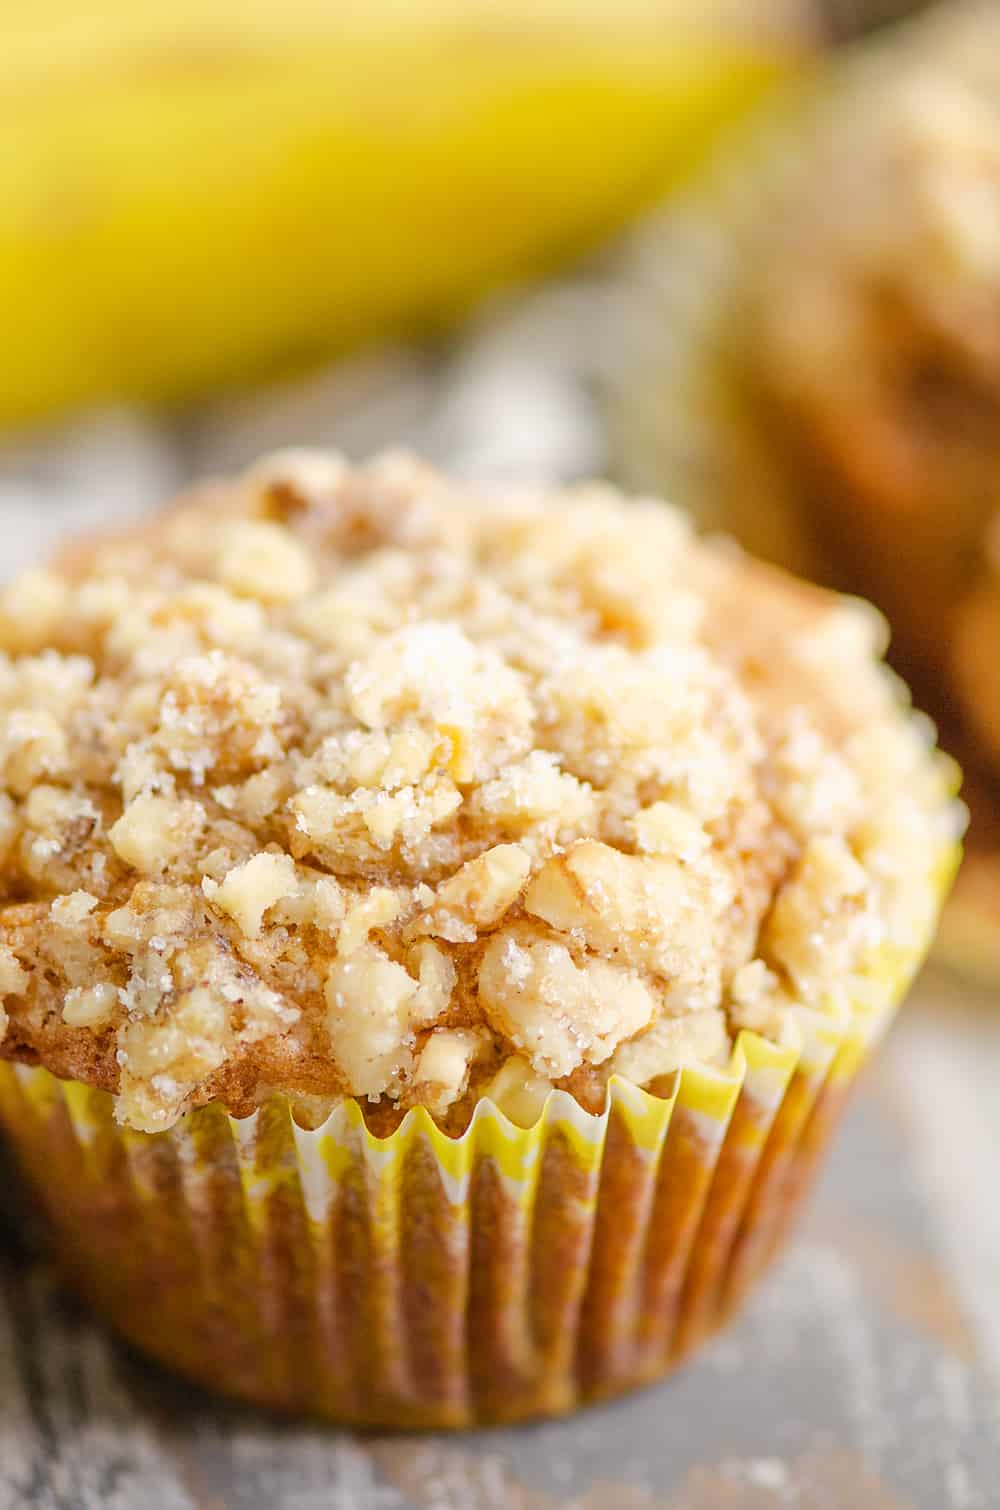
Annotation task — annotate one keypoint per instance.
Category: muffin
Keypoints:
(876, 335)
(851, 365)
(438, 928)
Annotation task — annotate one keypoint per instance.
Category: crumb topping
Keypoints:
(360, 782)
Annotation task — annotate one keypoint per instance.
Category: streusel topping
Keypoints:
(360, 782)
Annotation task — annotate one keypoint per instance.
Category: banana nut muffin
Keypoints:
(359, 782)
(872, 340)
(875, 324)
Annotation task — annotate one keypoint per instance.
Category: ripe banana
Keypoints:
(206, 191)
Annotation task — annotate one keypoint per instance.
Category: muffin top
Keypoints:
(360, 782)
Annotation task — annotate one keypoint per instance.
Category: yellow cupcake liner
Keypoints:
(436, 1281)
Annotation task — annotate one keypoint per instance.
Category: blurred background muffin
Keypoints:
(845, 367)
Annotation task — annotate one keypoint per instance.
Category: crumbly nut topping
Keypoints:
(560, 1013)
(478, 895)
(251, 889)
(443, 1068)
(356, 782)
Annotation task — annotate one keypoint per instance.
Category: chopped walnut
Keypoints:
(670, 1043)
(369, 822)
(479, 894)
(559, 1013)
(368, 998)
(13, 979)
(824, 906)
(252, 889)
(518, 1091)
(433, 968)
(757, 1001)
(73, 910)
(153, 831)
(160, 1059)
(378, 759)
(441, 1073)
(650, 911)
(534, 789)
(460, 690)
(264, 561)
(663, 828)
(90, 1006)
(380, 907)
(57, 827)
(32, 746)
(31, 608)
(218, 715)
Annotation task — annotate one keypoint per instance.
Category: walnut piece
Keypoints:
(559, 1013)
(252, 889)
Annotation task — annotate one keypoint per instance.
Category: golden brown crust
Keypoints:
(355, 782)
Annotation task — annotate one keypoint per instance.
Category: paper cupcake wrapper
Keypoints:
(425, 1280)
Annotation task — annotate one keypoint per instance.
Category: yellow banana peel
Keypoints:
(194, 194)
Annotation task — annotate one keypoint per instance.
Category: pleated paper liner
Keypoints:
(424, 1280)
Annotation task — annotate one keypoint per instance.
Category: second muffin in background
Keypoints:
(822, 374)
